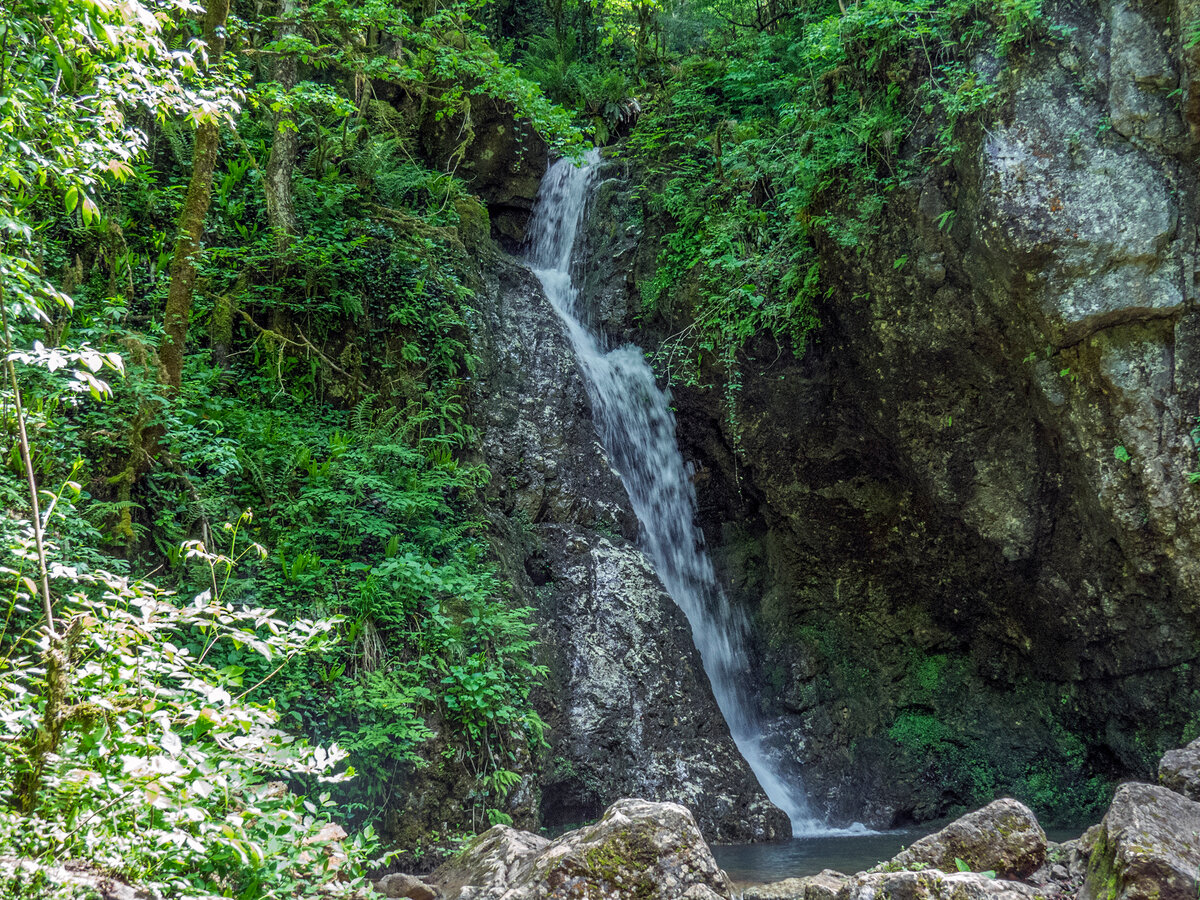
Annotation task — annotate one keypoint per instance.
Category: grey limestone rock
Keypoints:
(1003, 837)
(1147, 847)
(400, 884)
(652, 851)
(932, 884)
(822, 886)
(1141, 76)
(1179, 770)
(635, 712)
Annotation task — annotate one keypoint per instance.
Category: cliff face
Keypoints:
(963, 522)
(628, 705)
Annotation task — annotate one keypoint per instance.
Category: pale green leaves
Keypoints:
(172, 780)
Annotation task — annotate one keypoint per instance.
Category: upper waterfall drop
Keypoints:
(637, 428)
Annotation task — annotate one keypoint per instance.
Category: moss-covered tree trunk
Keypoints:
(195, 210)
(277, 181)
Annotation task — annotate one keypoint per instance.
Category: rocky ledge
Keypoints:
(1147, 847)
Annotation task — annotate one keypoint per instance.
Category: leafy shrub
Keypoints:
(125, 745)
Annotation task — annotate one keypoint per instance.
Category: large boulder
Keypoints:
(401, 884)
(1147, 847)
(1003, 837)
(823, 886)
(1179, 770)
(639, 849)
(491, 860)
(932, 884)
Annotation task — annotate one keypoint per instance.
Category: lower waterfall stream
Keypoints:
(637, 429)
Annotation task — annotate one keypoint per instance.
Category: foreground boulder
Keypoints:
(931, 884)
(1179, 770)
(824, 886)
(639, 849)
(401, 884)
(1003, 837)
(1147, 848)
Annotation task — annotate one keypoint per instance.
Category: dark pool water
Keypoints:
(752, 863)
(755, 863)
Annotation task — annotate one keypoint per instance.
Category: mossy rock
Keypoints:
(1147, 847)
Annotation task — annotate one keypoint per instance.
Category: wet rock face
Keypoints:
(611, 246)
(963, 523)
(1147, 847)
(537, 434)
(501, 158)
(651, 851)
(631, 706)
(628, 705)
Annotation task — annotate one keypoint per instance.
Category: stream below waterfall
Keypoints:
(637, 429)
(848, 853)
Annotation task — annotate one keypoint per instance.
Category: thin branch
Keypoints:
(304, 343)
(27, 462)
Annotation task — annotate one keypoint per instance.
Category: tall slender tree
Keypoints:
(277, 181)
(188, 240)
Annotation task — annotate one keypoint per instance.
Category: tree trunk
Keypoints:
(277, 180)
(191, 218)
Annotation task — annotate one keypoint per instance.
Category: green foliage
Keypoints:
(347, 450)
(785, 135)
(331, 393)
(441, 53)
(923, 733)
(163, 771)
(369, 525)
(101, 56)
(602, 92)
(962, 866)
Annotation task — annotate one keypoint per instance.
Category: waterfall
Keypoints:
(637, 429)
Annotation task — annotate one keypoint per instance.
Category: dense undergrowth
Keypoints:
(348, 465)
(318, 416)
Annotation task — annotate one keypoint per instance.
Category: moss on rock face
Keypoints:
(1146, 847)
(960, 588)
(625, 862)
(1101, 871)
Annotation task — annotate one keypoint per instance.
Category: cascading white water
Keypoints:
(638, 431)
